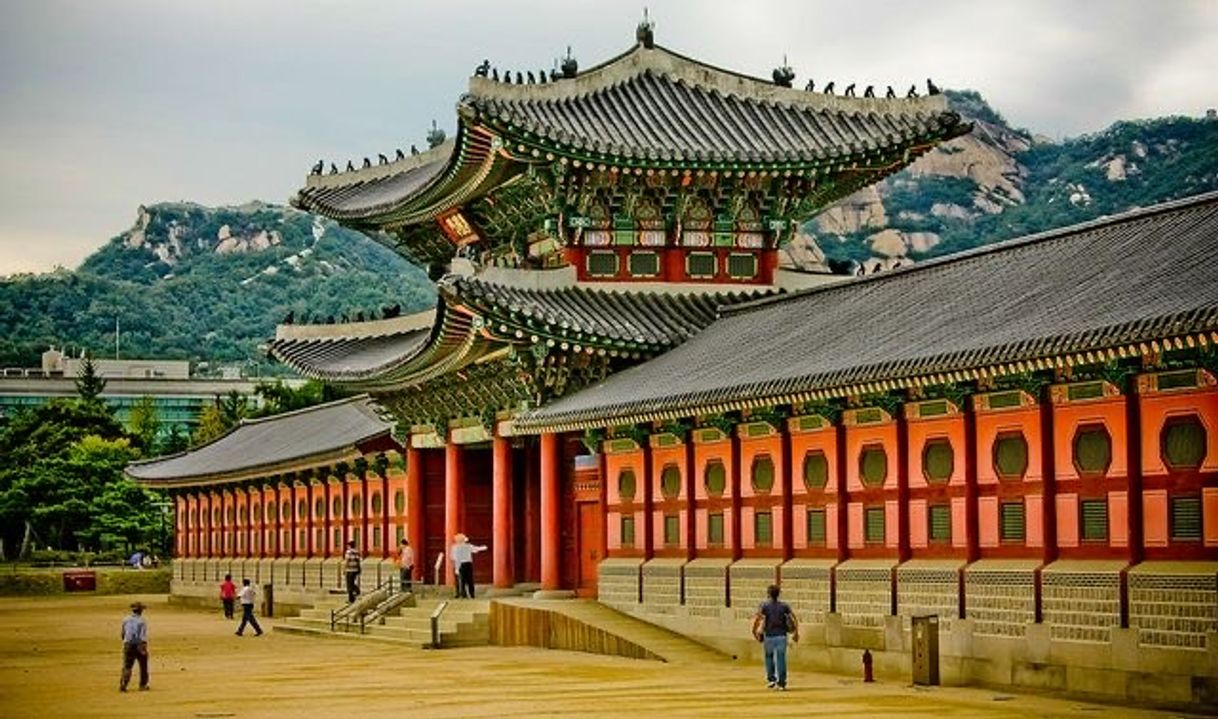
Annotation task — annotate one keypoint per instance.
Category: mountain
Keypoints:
(1000, 182)
(193, 282)
(200, 283)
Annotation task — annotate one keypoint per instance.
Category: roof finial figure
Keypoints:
(414, 150)
(932, 88)
(483, 69)
(381, 159)
(436, 136)
(870, 91)
(519, 78)
(555, 75)
(367, 163)
(890, 93)
(570, 67)
(399, 155)
(645, 33)
(811, 86)
(849, 90)
(321, 164)
(529, 75)
(350, 166)
(333, 169)
(783, 75)
(913, 91)
(829, 87)
(495, 74)
(541, 75)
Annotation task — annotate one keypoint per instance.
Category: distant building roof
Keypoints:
(1091, 291)
(325, 434)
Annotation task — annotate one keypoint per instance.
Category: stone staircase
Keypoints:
(463, 623)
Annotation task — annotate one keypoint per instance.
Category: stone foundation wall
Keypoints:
(1168, 653)
(618, 582)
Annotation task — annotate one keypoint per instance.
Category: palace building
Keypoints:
(624, 396)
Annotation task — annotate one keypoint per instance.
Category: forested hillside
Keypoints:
(1000, 182)
(191, 282)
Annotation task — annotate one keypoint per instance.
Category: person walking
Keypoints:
(247, 610)
(351, 560)
(135, 647)
(406, 565)
(771, 624)
(228, 594)
(463, 564)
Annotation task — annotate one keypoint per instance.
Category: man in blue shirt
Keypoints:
(773, 621)
(135, 647)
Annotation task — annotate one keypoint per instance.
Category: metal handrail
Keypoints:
(435, 623)
(353, 610)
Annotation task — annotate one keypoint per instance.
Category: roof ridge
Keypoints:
(677, 67)
(983, 250)
(303, 410)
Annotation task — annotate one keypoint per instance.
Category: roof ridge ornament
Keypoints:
(783, 74)
(645, 33)
(570, 66)
(435, 136)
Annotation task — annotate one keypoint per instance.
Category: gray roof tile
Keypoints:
(271, 444)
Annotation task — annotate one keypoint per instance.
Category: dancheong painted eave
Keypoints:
(258, 448)
(1076, 295)
(647, 108)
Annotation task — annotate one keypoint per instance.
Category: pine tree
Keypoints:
(89, 385)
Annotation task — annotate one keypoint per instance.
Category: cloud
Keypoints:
(107, 106)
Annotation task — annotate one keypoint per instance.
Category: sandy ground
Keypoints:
(59, 657)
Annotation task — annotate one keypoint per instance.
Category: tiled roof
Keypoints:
(348, 358)
(637, 323)
(325, 433)
(376, 189)
(656, 105)
(1105, 285)
(629, 318)
(648, 105)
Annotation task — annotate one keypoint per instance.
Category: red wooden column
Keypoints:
(386, 535)
(414, 509)
(551, 539)
(501, 511)
(454, 486)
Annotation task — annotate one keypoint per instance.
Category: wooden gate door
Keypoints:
(589, 547)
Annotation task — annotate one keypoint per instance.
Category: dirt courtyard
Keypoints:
(59, 657)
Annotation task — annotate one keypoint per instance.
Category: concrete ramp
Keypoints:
(587, 626)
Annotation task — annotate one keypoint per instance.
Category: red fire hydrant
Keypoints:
(867, 674)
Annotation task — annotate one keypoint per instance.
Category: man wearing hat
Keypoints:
(463, 564)
(135, 646)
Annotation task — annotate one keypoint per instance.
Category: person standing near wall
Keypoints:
(247, 610)
(228, 594)
(463, 564)
(351, 567)
(135, 647)
(771, 624)
(406, 565)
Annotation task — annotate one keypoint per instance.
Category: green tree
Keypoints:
(63, 485)
(278, 397)
(145, 423)
(89, 385)
(211, 424)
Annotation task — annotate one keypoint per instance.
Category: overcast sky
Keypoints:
(109, 104)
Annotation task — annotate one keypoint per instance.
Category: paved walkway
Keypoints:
(59, 656)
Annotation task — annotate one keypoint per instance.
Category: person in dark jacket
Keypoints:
(772, 623)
